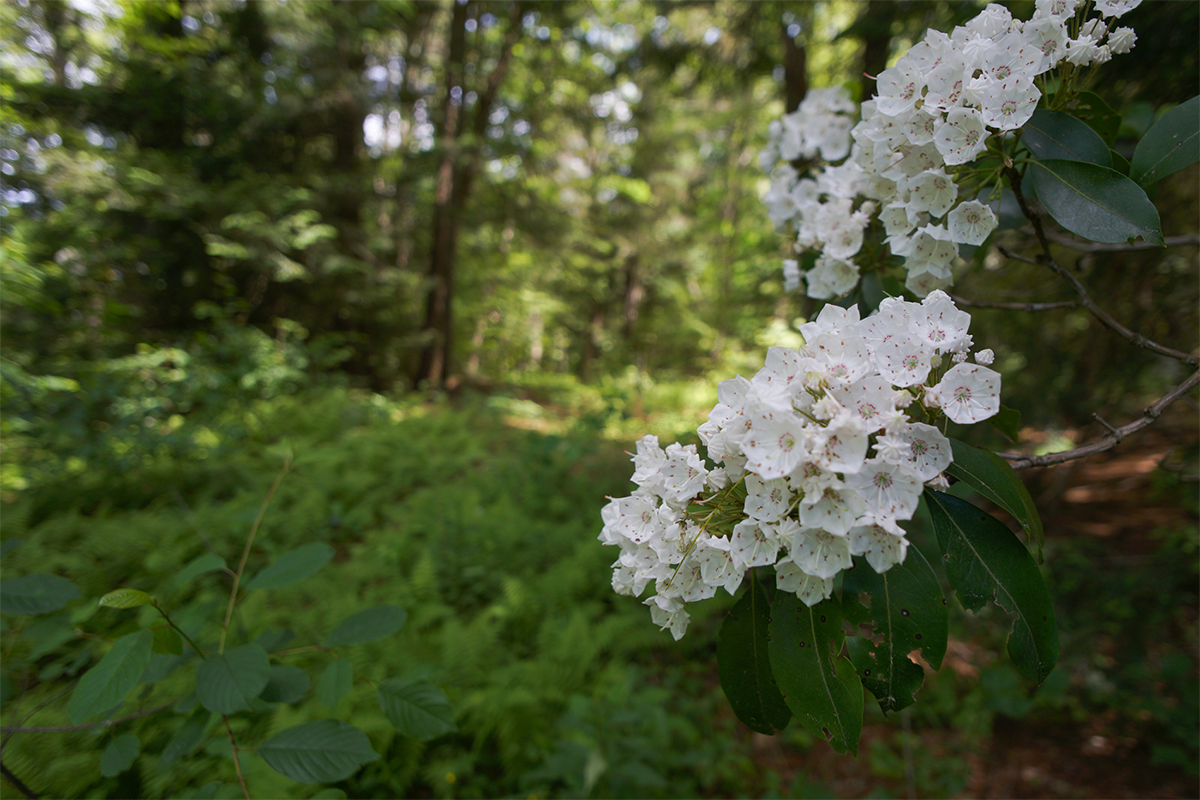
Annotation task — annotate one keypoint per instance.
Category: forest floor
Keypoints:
(1111, 499)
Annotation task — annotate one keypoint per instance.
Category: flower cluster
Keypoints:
(933, 111)
(819, 457)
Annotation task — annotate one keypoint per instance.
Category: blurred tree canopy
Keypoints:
(405, 193)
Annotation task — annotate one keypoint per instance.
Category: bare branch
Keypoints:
(1112, 438)
(962, 301)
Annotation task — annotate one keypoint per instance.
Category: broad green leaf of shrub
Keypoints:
(285, 684)
(186, 737)
(1008, 422)
(335, 682)
(318, 752)
(991, 476)
(119, 755)
(227, 682)
(167, 642)
(1099, 115)
(293, 567)
(1171, 144)
(369, 625)
(107, 683)
(745, 667)
(1054, 134)
(39, 593)
(985, 560)
(125, 598)
(821, 688)
(200, 565)
(417, 708)
(909, 613)
(1095, 202)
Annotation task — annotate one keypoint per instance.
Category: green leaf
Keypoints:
(417, 708)
(119, 755)
(985, 560)
(992, 477)
(126, 598)
(318, 752)
(1053, 134)
(745, 667)
(200, 565)
(293, 567)
(1099, 115)
(286, 684)
(39, 593)
(107, 683)
(367, 626)
(331, 793)
(821, 688)
(1120, 163)
(1097, 203)
(187, 737)
(909, 613)
(1008, 422)
(227, 682)
(335, 682)
(1171, 144)
(167, 642)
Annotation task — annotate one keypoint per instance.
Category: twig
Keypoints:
(962, 301)
(108, 723)
(237, 577)
(237, 763)
(15, 781)
(1111, 439)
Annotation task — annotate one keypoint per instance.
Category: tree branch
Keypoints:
(17, 783)
(1112, 438)
(962, 301)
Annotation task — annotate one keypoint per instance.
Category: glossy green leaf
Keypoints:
(119, 755)
(1099, 115)
(167, 642)
(367, 626)
(908, 613)
(985, 560)
(1171, 144)
(227, 682)
(335, 682)
(186, 737)
(819, 686)
(745, 667)
(1097, 203)
(992, 477)
(1054, 134)
(291, 568)
(39, 593)
(125, 598)
(200, 565)
(106, 684)
(1120, 163)
(1008, 422)
(318, 752)
(285, 684)
(417, 708)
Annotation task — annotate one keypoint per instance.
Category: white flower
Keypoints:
(819, 553)
(962, 137)
(753, 545)
(669, 614)
(883, 548)
(967, 393)
(933, 191)
(1010, 104)
(1122, 40)
(929, 450)
(887, 489)
(1116, 8)
(985, 357)
(791, 275)
(809, 588)
(971, 223)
